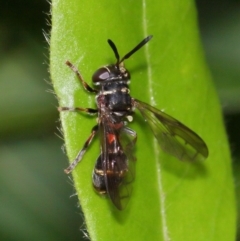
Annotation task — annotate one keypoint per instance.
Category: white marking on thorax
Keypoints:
(109, 92)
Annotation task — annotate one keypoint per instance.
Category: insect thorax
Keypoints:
(116, 97)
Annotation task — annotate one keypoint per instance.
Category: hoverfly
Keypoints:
(114, 168)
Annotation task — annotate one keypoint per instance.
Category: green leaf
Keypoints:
(171, 200)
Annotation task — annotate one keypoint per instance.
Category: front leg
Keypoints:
(77, 72)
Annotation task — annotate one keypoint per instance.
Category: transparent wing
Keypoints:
(128, 138)
(115, 156)
(172, 136)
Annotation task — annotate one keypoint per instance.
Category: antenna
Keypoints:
(114, 48)
(129, 54)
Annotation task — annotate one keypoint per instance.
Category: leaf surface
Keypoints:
(171, 200)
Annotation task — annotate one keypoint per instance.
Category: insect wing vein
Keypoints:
(173, 137)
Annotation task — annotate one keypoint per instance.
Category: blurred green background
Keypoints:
(37, 200)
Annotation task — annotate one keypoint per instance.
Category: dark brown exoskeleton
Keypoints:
(114, 168)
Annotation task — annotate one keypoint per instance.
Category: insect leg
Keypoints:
(82, 151)
(90, 111)
(84, 84)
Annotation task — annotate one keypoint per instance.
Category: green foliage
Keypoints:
(171, 200)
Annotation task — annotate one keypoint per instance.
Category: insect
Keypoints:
(114, 169)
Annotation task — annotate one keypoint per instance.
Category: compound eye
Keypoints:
(100, 75)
